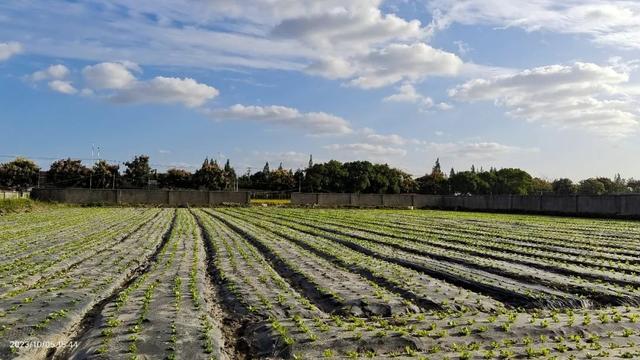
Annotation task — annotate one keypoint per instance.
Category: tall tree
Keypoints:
(591, 186)
(19, 174)
(634, 185)
(230, 176)
(176, 179)
(540, 186)
(435, 182)
(563, 187)
(358, 178)
(138, 171)
(68, 173)
(513, 181)
(104, 175)
(210, 176)
(464, 183)
(281, 180)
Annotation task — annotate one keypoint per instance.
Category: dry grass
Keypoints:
(270, 202)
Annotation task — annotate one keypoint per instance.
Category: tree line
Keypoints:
(332, 176)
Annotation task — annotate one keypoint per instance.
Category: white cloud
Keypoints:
(332, 68)
(53, 72)
(370, 136)
(390, 139)
(331, 38)
(398, 62)
(615, 23)
(109, 75)
(62, 86)
(473, 150)
(581, 95)
(115, 81)
(166, 90)
(316, 123)
(368, 150)
(9, 49)
(407, 93)
(463, 47)
(348, 27)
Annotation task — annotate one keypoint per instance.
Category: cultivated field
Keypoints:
(236, 283)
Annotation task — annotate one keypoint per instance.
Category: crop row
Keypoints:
(50, 308)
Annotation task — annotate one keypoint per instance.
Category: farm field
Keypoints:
(262, 282)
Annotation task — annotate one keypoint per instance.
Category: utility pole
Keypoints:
(91, 169)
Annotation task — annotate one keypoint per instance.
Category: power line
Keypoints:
(90, 159)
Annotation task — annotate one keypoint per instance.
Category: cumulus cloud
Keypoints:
(391, 139)
(61, 86)
(56, 76)
(407, 93)
(53, 72)
(109, 75)
(613, 23)
(316, 123)
(581, 95)
(332, 68)
(357, 26)
(398, 62)
(474, 150)
(9, 49)
(335, 39)
(116, 81)
(388, 65)
(368, 150)
(167, 90)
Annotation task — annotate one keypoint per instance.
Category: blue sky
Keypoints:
(551, 88)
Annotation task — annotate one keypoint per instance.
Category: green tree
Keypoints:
(620, 184)
(563, 187)
(358, 176)
(138, 171)
(230, 176)
(634, 185)
(513, 181)
(465, 183)
(591, 186)
(299, 178)
(176, 179)
(19, 174)
(314, 179)
(68, 173)
(335, 176)
(540, 186)
(435, 182)
(210, 176)
(281, 180)
(487, 183)
(104, 175)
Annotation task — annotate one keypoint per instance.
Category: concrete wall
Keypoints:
(13, 195)
(139, 196)
(604, 205)
(334, 199)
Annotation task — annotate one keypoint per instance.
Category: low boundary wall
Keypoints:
(4, 195)
(624, 205)
(141, 196)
